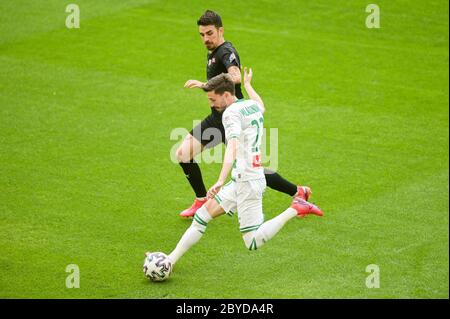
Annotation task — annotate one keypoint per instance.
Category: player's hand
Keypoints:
(248, 74)
(215, 189)
(193, 84)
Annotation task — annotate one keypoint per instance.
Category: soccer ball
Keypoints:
(157, 266)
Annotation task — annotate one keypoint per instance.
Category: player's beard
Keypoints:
(219, 109)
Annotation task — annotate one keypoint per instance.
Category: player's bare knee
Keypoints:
(213, 208)
(185, 152)
(210, 206)
(183, 155)
(179, 154)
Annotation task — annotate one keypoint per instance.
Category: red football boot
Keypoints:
(303, 192)
(189, 212)
(304, 208)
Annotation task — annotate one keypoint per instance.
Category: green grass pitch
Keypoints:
(86, 176)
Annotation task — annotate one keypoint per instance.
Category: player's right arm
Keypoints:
(250, 90)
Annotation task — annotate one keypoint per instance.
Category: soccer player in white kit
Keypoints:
(243, 121)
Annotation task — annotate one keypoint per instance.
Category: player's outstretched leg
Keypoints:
(278, 183)
(193, 234)
(185, 154)
(299, 207)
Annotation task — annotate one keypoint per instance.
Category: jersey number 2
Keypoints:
(257, 158)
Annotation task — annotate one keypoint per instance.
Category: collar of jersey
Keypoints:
(211, 52)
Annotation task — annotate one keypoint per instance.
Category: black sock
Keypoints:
(276, 182)
(194, 176)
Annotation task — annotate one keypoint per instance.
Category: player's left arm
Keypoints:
(230, 156)
(232, 123)
(191, 84)
(248, 75)
(228, 160)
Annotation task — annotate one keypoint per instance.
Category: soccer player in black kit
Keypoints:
(222, 58)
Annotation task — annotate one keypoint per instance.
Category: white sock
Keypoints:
(255, 239)
(192, 234)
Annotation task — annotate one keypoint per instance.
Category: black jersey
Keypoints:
(219, 60)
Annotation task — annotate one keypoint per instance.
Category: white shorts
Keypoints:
(245, 198)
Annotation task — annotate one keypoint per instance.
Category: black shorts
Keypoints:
(210, 132)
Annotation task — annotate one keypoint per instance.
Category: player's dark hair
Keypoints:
(210, 18)
(220, 84)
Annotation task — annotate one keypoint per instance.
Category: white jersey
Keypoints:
(244, 120)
